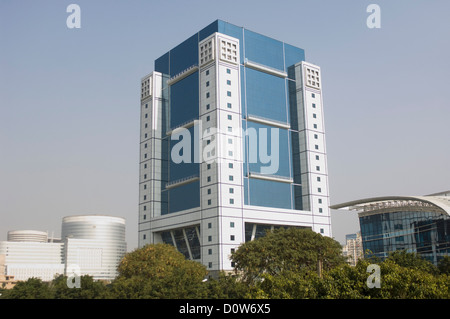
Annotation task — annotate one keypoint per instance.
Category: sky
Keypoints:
(69, 98)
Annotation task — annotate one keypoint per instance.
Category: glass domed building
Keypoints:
(419, 224)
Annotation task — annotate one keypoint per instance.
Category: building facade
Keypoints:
(353, 248)
(232, 143)
(93, 245)
(419, 224)
(28, 253)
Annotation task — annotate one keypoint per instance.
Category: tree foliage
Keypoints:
(284, 251)
(281, 265)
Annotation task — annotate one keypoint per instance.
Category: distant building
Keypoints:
(27, 253)
(419, 224)
(92, 244)
(353, 248)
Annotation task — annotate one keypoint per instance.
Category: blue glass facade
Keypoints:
(263, 95)
(425, 233)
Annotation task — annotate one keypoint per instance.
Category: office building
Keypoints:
(28, 253)
(419, 224)
(232, 143)
(93, 245)
(353, 248)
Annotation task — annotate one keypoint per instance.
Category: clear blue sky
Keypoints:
(69, 98)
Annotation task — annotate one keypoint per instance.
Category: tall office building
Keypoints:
(232, 143)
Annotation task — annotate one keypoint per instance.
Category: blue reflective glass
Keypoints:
(266, 152)
(191, 167)
(265, 96)
(295, 111)
(184, 55)
(269, 193)
(162, 64)
(298, 197)
(263, 50)
(246, 191)
(292, 55)
(184, 100)
(208, 30)
(296, 162)
(184, 197)
(426, 233)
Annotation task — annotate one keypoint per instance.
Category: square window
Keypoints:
(321, 231)
(210, 265)
(320, 210)
(320, 200)
(207, 72)
(313, 95)
(207, 94)
(145, 186)
(316, 147)
(232, 237)
(231, 190)
(230, 129)
(228, 93)
(231, 201)
(314, 105)
(230, 165)
(314, 115)
(228, 82)
(207, 106)
(209, 202)
(317, 168)
(319, 190)
(208, 166)
(207, 118)
(209, 238)
(230, 141)
(209, 191)
(316, 136)
(228, 71)
(232, 224)
(230, 153)
(209, 251)
(230, 178)
(207, 83)
(145, 216)
(232, 250)
(208, 178)
(318, 179)
(209, 225)
(144, 237)
(229, 117)
(229, 105)
(315, 125)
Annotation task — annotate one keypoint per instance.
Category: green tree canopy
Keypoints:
(284, 250)
(158, 271)
(33, 288)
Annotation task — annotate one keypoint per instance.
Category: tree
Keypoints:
(284, 250)
(89, 289)
(412, 261)
(158, 271)
(444, 265)
(33, 288)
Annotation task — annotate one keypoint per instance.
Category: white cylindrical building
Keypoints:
(94, 244)
(28, 236)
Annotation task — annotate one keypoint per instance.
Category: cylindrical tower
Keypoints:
(94, 244)
(28, 236)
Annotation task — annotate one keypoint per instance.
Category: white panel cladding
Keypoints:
(229, 49)
(146, 87)
(206, 51)
(314, 169)
(150, 155)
